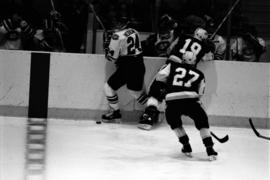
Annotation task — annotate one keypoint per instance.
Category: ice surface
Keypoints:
(83, 150)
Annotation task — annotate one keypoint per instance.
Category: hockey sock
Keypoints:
(142, 99)
(180, 132)
(113, 102)
(208, 142)
(204, 132)
(184, 140)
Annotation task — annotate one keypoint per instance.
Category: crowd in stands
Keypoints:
(60, 30)
(65, 31)
(246, 45)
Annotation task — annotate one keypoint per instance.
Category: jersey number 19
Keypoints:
(193, 46)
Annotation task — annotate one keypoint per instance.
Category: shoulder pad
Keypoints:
(115, 36)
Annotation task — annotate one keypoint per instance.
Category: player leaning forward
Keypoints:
(124, 49)
(202, 48)
(185, 85)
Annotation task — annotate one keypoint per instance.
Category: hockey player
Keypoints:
(184, 86)
(125, 51)
(203, 51)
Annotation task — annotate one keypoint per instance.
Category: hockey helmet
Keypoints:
(200, 34)
(120, 23)
(166, 24)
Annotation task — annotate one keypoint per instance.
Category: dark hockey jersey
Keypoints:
(189, 43)
(182, 81)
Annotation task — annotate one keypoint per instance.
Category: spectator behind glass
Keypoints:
(158, 44)
(74, 16)
(247, 46)
(10, 33)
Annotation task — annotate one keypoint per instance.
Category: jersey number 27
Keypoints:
(179, 78)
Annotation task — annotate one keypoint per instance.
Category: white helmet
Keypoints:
(200, 34)
(189, 58)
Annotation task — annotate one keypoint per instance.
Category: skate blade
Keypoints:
(145, 126)
(212, 158)
(188, 154)
(117, 121)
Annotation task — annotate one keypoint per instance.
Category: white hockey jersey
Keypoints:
(124, 43)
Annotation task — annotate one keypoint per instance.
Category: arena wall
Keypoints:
(235, 91)
(14, 82)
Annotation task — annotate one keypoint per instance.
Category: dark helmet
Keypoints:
(166, 24)
(192, 22)
(120, 23)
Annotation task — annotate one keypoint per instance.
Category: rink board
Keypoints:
(235, 91)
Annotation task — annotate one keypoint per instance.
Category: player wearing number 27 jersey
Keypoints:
(186, 48)
(125, 50)
(187, 81)
(184, 86)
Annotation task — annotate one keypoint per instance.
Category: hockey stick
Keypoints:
(52, 4)
(96, 16)
(225, 18)
(221, 140)
(57, 29)
(255, 131)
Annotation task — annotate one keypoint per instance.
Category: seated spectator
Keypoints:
(17, 34)
(158, 44)
(10, 33)
(218, 40)
(248, 46)
(46, 38)
(53, 31)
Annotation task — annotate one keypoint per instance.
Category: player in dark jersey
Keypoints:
(184, 43)
(125, 51)
(185, 85)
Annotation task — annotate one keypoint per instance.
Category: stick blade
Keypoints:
(253, 127)
(221, 140)
(225, 139)
(256, 132)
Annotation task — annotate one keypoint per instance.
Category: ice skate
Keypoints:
(187, 150)
(113, 116)
(149, 118)
(212, 154)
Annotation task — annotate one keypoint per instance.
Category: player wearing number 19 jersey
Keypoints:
(195, 44)
(125, 51)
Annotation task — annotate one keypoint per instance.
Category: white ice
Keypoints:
(83, 150)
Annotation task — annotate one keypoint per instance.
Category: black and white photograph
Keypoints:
(134, 90)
